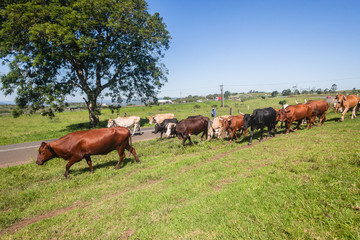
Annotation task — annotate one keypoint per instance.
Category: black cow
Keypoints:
(259, 119)
(192, 126)
(189, 117)
(162, 127)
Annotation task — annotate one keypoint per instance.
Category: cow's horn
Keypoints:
(241, 113)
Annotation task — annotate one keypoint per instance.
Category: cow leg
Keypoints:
(245, 132)
(232, 135)
(343, 114)
(269, 130)
(133, 152)
(261, 134)
(298, 125)
(353, 113)
(72, 160)
(323, 118)
(184, 139)
(121, 151)
(191, 143)
(161, 133)
(308, 125)
(251, 136)
(288, 125)
(88, 160)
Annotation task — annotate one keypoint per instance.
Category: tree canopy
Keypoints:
(57, 48)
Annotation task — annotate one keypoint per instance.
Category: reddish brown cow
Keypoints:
(319, 108)
(82, 144)
(297, 113)
(347, 103)
(233, 124)
(192, 126)
(280, 117)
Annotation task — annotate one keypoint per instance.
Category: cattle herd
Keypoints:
(82, 144)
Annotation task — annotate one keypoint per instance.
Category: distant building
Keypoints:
(163, 101)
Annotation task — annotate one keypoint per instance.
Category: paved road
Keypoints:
(16, 154)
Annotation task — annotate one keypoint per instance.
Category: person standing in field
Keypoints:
(213, 113)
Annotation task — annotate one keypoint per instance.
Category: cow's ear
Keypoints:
(43, 144)
(344, 98)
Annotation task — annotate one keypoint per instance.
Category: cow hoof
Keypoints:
(249, 144)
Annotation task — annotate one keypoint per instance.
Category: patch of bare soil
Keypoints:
(26, 222)
(127, 234)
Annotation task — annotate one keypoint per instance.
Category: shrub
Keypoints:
(197, 106)
(282, 102)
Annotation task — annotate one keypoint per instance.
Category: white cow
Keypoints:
(128, 122)
(159, 118)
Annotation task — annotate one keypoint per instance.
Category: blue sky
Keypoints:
(259, 45)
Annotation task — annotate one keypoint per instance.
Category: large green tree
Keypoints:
(59, 48)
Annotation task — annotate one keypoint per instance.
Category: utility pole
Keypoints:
(222, 95)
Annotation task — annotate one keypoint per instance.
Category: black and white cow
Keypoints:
(163, 126)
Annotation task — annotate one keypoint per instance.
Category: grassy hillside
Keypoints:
(302, 185)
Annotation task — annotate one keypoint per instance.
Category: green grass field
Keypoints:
(302, 185)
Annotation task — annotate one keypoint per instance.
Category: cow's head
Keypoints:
(111, 123)
(171, 129)
(151, 119)
(281, 115)
(157, 128)
(45, 153)
(248, 119)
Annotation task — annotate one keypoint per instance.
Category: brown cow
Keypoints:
(318, 108)
(192, 126)
(233, 124)
(297, 113)
(82, 144)
(280, 117)
(337, 103)
(347, 103)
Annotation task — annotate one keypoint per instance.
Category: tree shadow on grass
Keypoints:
(83, 126)
(143, 121)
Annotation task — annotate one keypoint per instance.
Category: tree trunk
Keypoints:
(93, 111)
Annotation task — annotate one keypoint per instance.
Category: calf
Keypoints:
(193, 126)
(162, 127)
(259, 119)
(82, 144)
(318, 108)
(297, 113)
